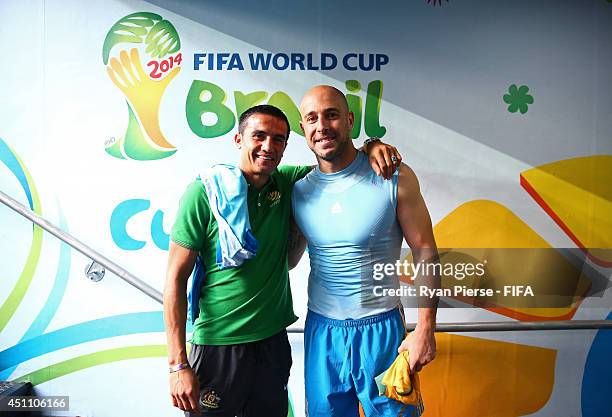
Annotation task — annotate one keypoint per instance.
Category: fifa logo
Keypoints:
(142, 35)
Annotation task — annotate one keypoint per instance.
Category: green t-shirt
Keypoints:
(253, 301)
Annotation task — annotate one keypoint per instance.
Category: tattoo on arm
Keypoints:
(295, 245)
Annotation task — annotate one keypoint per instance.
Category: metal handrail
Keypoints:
(508, 326)
(157, 296)
(81, 247)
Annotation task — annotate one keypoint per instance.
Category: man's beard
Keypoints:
(339, 151)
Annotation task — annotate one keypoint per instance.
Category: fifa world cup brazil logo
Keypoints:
(143, 86)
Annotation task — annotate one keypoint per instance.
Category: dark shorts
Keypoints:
(244, 380)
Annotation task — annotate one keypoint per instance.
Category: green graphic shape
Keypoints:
(195, 107)
(162, 40)
(246, 101)
(284, 102)
(130, 29)
(354, 104)
(114, 149)
(159, 35)
(372, 110)
(25, 278)
(518, 99)
(93, 359)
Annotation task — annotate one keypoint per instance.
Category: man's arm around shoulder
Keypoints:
(184, 386)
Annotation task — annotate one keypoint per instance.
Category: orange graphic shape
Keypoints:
(476, 229)
(473, 377)
(577, 195)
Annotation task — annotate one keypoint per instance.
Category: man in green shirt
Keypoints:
(240, 357)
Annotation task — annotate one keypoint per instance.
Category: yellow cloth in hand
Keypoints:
(400, 385)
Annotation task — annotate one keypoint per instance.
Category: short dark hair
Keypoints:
(262, 109)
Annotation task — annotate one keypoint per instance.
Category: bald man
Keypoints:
(352, 219)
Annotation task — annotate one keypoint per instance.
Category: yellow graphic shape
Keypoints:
(484, 231)
(473, 377)
(143, 93)
(577, 194)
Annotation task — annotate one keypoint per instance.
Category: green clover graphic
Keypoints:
(518, 99)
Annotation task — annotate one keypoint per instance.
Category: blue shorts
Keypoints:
(342, 358)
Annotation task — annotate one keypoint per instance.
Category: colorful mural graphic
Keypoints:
(36, 342)
(576, 193)
(486, 373)
(143, 139)
(18, 169)
(484, 226)
(442, 67)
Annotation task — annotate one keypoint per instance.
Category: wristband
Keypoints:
(178, 367)
(368, 141)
